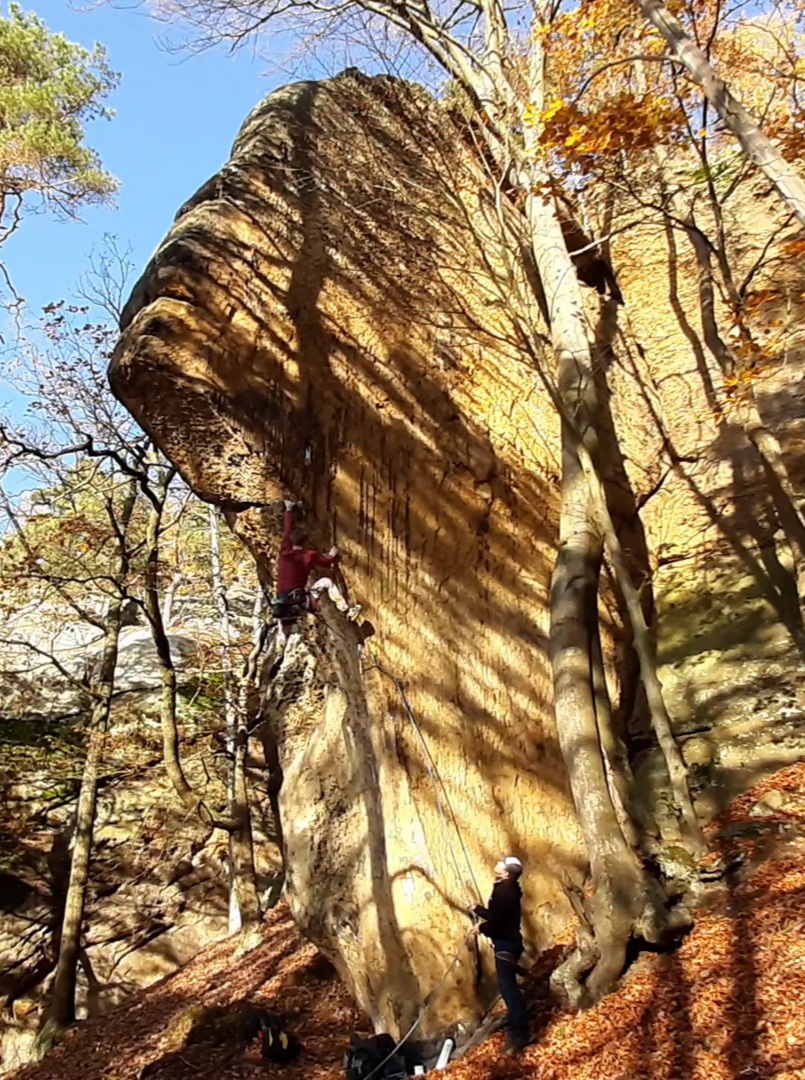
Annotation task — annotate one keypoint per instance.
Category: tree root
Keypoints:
(605, 929)
(49, 1035)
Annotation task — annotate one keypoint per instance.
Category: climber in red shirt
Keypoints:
(294, 566)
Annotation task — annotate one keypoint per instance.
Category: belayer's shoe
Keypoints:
(515, 1043)
(354, 612)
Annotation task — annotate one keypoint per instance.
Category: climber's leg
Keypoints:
(327, 585)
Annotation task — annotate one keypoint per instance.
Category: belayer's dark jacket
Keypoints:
(503, 912)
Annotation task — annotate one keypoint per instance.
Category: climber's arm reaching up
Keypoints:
(287, 531)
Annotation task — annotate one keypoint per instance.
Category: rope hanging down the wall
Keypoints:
(438, 785)
(439, 790)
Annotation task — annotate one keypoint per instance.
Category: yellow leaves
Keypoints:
(743, 377)
(532, 117)
(603, 18)
(624, 123)
(774, 326)
(552, 110)
(591, 142)
(760, 297)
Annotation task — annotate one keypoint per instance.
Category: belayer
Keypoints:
(294, 566)
(501, 924)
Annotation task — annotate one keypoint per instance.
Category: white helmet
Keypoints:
(511, 862)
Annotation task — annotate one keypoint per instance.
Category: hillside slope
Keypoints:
(729, 1003)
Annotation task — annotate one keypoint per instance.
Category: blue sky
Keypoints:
(177, 117)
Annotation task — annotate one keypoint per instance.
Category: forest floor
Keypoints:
(728, 1004)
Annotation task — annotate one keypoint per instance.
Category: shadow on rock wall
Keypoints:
(321, 322)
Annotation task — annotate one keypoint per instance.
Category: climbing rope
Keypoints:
(438, 785)
(425, 1006)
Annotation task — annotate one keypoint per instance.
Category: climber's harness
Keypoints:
(290, 605)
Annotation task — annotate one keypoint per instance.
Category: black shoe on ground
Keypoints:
(516, 1043)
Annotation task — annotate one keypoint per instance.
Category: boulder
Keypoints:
(307, 327)
(333, 317)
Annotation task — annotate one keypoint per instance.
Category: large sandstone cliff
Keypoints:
(327, 319)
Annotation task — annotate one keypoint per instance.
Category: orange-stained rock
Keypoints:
(326, 320)
(308, 328)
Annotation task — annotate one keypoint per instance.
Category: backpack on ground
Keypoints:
(374, 1057)
(276, 1044)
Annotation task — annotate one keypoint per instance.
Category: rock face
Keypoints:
(326, 319)
(305, 328)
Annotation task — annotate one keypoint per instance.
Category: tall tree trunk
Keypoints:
(61, 1013)
(171, 755)
(62, 1006)
(626, 899)
(170, 599)
(244, 903)
(754, 142)
(616, 758)
(660, 718)
(153, 607)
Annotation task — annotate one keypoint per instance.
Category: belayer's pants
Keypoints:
(507, 954)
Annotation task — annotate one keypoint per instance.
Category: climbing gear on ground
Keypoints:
(444, 1055)
(425, 1005)
(375, 1056)
(276, 1044)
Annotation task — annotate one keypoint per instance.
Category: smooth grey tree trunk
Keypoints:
(153, 607)
(244, 903)
(626, 900)
(171, 753)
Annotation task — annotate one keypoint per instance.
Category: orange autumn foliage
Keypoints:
(729, 1003)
